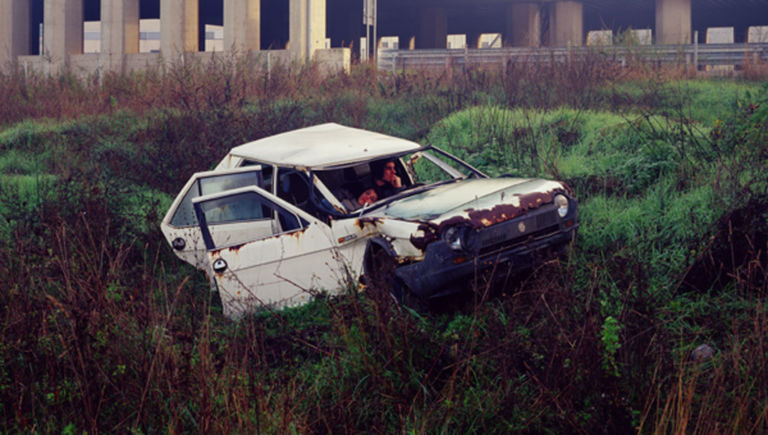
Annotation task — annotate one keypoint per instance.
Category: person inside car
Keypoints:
(366, 197)
(387, 182)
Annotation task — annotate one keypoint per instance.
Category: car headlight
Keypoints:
(454, 237)
(562, 205)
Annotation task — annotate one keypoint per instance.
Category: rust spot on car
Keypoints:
(235, 249)
(297, 234)
(482, 218)
(430, 235)
(364, 221)
(505, 212)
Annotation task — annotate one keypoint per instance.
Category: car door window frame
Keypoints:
(194, 183)
(276, 204)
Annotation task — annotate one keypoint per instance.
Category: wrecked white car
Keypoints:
(310, 209)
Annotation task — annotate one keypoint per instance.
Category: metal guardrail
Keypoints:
(696, 55)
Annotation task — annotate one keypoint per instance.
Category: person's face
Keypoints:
(369, 196)
(389, 171)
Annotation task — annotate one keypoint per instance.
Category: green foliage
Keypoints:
(103, 329)
(500, 140)
(611, 344)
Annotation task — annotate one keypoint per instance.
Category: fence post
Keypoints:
(696, 51)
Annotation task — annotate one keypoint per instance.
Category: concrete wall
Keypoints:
(757, 34)
(456, 41)
(489, 40)
(333, 60)
(598, 38)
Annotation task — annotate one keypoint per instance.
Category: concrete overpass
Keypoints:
(299, 30)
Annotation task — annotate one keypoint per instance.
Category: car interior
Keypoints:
(348, 183)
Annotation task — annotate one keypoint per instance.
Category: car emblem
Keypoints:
(521, 227)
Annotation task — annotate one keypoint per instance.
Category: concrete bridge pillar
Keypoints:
(242, 25)
(567, 24)
(62, 29)
(306, 31)
(119, 31)
(433, 28)
(178, 27)
(524, 25)
(673, 21)
(14, 30)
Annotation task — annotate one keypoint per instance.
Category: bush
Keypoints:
(105, 330)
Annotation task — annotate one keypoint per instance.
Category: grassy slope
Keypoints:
(104, 329)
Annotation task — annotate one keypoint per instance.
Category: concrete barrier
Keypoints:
(333, 60)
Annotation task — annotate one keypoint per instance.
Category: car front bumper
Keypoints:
(445, 271)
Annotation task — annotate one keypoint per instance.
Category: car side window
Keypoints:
(245, 207)
(185, 213)
(236, 208)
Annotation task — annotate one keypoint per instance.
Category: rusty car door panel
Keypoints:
(283, 267)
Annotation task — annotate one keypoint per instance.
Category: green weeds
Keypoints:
(104, 330)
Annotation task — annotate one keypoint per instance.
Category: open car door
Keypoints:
(276, 256)
(180, 226)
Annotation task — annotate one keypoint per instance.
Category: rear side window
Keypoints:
(185, 214)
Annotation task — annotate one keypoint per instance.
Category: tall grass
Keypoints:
(104, 330)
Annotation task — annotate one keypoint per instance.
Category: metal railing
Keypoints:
(693, 55)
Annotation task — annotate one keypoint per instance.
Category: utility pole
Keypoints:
(370, 17)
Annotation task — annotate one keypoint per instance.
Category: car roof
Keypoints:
(322, 147)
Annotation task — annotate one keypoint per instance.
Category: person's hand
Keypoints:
(393, 179)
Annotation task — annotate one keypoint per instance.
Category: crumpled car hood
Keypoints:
(482, 202)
